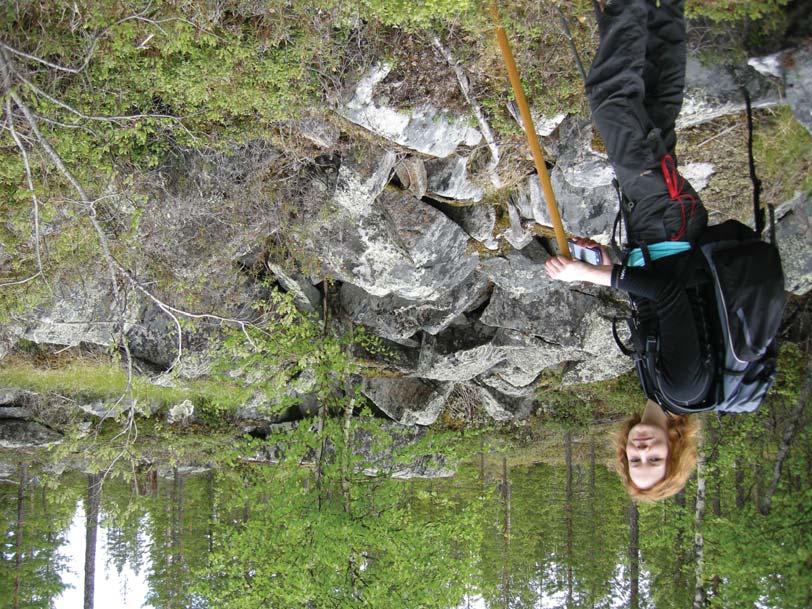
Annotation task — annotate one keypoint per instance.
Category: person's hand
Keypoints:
(606, 253)
(566, 269)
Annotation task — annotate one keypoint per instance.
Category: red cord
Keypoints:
(675, 183)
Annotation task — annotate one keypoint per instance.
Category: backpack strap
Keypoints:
(623, 348)
(621, 222)
(758, 211)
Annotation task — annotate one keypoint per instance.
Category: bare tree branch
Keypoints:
(21, 281)
(45, 62)
(487, 133)
(34, 199)
(90, 117)
(786, 442)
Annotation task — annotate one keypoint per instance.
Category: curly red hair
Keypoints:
(683, 435)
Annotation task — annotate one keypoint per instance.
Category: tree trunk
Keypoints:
(679, 540)
(212, 512)
(741, 493)
(320, 450)
(634, 556)
(346, 458)
(592, 468)
(715, 475)
(699, 540)
(568, 514)
(19, 530)
(94, 482)
(789, 434)
(506, 498)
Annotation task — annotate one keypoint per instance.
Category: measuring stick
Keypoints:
(530, 131)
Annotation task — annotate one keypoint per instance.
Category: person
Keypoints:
(635, 89)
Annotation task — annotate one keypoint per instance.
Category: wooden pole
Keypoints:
(530, 131)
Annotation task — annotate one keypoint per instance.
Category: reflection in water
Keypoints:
(498, 535)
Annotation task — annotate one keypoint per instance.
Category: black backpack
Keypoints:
(735, 284)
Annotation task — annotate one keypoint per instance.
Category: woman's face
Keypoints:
(646, 451)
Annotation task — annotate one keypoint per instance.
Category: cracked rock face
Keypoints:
(408, 401)
(448, 178)
(479, 221)
(799, 85)
(81, 313)
(793, 231)
(398, 319)
(424, 129)
(712, 91)
(154, 337)
(19, 433)
(386, 241)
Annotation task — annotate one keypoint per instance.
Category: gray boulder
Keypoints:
(449, 179)
(793, 232)
(19, 433)
(424, 129)
(408, 401)
(9, 335)
(479, 221)
(411, 172)
(81, 313)
(181, 413)
(459, 354)
(571, 321)
(154, 337)
(387, 241)
(15, 412)
(20, 398)
(398, 319)
(799, 85)
(714, 90)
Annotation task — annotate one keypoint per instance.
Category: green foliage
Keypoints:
(415, 13)
(575, 406)
(783, 151)
(734, 10)
(336, 538)
(34, 522)
(290, 353)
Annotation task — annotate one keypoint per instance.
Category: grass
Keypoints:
(783, 150)
(99, 380)
(577, 406)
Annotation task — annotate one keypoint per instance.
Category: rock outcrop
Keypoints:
(424, 129)
(793, 232)
(421, 249)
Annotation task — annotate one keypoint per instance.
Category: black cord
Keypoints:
(758, 212)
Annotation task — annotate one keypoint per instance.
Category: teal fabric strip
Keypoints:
(657, 250)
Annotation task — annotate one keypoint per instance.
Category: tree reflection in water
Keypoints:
(501, 533)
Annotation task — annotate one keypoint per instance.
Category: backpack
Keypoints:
(735, 284)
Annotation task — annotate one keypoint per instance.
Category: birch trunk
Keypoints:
(699, 540)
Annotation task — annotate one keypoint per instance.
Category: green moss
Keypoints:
(783, 150)
(734, 10)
